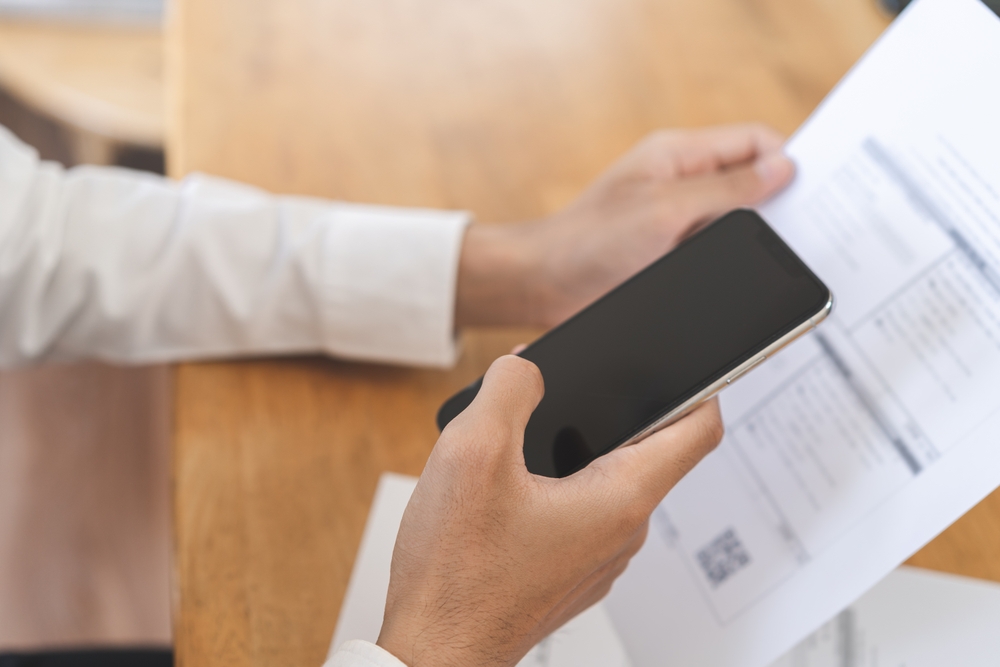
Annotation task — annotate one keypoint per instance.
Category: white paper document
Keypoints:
(913, 618)
(589, 640)
(857, 445)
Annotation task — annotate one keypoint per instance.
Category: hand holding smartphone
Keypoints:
(663, 342)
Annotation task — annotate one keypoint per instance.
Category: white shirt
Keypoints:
(357, 653)
(112, 264)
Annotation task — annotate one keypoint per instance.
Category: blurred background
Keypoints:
(82, 80)
(120, 11)
(84, 451)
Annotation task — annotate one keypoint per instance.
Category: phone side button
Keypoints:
(743, 371)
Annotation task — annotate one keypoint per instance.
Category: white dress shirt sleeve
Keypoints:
(357, 653)
(129, 267)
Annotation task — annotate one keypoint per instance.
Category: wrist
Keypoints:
(423, 647)
(500, 277)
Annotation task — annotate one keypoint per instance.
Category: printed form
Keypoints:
(861, 442)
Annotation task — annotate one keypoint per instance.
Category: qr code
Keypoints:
(723, 557)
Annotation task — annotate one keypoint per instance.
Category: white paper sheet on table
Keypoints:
(589, 640)
(860, 443)
(912, 618)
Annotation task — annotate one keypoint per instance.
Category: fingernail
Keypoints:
(774, 167)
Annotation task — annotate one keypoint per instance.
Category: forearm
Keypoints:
(126, 267)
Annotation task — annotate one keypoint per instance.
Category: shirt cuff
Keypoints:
(357, 653)
(390, 277)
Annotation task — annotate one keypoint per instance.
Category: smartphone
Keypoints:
(663, 342)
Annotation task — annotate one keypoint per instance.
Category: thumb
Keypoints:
(711, 195)
(511, 390)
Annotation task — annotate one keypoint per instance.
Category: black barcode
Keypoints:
(723, 557)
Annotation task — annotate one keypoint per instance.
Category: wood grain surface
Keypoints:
(105, 81)
(503, 107)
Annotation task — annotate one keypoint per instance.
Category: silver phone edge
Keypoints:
(710, 391)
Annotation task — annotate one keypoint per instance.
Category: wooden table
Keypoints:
(503, 107)
(104, 83)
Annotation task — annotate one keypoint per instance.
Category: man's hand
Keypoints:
(540, 273)
(490, 559)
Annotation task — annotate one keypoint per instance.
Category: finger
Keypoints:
(708, 196)
(650, 468)
(518, 349)
(511, 390)
(692, 152)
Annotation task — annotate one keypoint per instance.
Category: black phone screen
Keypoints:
(658, 339)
